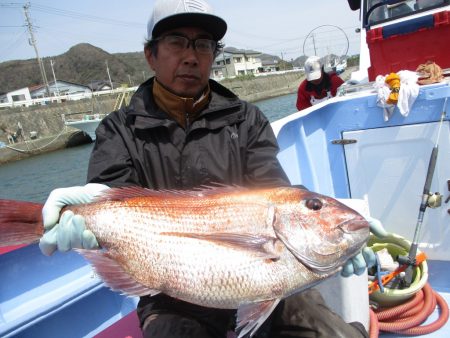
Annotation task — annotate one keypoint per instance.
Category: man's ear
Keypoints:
(149, 57)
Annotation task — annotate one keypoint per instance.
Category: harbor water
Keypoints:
(32, 179)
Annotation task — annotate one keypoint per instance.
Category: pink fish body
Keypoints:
(227, 248)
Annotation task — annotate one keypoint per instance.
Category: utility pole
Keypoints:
(32, 41)
(109, 76)
(54, 77)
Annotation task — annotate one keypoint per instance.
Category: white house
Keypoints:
(59, 88)
(22, 94)
(59, 91)
(233, 62)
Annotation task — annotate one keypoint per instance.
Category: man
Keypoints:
(318, 85)
(182, 130)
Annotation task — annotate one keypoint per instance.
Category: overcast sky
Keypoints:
(286, 28)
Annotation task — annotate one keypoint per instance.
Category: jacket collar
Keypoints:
(143, 111)
(179, 108)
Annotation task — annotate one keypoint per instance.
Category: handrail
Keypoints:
(58, 99)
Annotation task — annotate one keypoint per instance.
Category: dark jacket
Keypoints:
(230, 142)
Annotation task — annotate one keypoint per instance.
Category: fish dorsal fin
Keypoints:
(265, 247)
(113, 275)
(119, 194)
(251, 316)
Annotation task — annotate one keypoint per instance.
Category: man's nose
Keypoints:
(190, 55)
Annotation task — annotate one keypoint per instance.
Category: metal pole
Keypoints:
(54, 77)
(109, 76)
(32, 42)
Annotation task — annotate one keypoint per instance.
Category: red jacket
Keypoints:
(308, 92)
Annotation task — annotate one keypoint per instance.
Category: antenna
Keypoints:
(32, 42)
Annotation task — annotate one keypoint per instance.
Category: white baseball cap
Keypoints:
(170, 14)
(313, 68)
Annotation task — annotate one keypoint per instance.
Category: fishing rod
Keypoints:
(428, 200)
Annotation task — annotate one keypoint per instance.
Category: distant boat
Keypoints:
(87, 123)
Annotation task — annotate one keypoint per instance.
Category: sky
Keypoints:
(286, 28)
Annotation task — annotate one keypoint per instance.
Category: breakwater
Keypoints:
(43, 127)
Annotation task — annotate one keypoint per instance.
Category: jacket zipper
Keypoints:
(186, 121)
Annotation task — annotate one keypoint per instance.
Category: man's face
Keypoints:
(318, 81)
(186, 72)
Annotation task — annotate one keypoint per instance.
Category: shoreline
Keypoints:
(251, 90)
(22, 150)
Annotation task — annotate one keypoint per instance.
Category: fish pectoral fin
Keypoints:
(251, 316)
(262, 246)
(114, 275)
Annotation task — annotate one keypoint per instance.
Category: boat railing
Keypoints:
(82, 116)
(350, 87)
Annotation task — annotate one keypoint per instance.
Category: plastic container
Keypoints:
(397, 47)
(397, 245)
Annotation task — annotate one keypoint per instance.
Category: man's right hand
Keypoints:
(71, 230)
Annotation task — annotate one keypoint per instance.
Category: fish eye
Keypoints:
(314, 204)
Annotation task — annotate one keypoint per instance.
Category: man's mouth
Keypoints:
(188, 76)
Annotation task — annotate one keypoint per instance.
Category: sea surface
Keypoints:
(32, 179)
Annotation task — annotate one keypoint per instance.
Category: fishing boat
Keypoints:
(87, 122)
(354, 145)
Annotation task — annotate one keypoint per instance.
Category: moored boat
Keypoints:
(87, 123)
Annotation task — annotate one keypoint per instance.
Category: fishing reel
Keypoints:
(434, 200)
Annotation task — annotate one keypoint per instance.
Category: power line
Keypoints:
(83, 16)
(8, 49)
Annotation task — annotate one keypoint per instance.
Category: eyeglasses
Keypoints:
(177, 43)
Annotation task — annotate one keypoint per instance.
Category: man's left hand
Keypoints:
(366, 258)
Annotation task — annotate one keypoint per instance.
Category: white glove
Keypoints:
(366, 258)
(71, 231)
(68, 234)
(61, 197)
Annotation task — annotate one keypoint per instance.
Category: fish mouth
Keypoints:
(354, 225)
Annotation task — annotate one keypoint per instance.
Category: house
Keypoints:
(269, 66)
(59, 88)
(100, 85)
(59, 91)
(22, 94)
(232, 62)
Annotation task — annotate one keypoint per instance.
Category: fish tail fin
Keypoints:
(20, 222)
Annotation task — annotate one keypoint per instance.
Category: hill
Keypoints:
(83, 63)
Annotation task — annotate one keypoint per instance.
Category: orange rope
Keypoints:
(407, 318)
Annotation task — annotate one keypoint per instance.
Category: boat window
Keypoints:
(384, 13)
